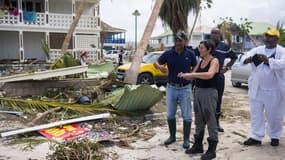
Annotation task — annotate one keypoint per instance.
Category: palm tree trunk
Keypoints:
(194, 24)
(73, 25)
(103, 35)
(174, 18)
(132, 73)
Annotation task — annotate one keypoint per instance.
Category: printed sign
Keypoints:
(66, 132)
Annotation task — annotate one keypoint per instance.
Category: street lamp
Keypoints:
(136, 13)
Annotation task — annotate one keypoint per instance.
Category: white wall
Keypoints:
(89, 9)
(64, 6)
(32, 45)
(196, 39)
(60, 6)
(9, 45)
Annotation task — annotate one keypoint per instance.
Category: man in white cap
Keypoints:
(265, 93)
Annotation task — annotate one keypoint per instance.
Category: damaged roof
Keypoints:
(108, 28)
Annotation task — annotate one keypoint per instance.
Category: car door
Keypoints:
(240, 71)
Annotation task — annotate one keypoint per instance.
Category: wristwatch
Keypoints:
(227, 68)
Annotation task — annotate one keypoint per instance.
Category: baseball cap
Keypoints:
(273, 32)
(181, 35)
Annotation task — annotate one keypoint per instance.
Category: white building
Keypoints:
(166, 39)
(255, 37)
(30, 21)
(114, 38)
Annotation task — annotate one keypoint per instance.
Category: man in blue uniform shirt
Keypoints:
(178, 59)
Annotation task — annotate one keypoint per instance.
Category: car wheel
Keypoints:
(145, 78)
(236, 84)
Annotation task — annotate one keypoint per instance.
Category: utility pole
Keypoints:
(136, 13)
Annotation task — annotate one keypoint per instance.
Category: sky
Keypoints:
(118, 13)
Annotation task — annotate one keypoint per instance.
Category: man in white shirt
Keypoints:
(265, 93)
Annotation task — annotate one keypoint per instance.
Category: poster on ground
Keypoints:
(66, 132)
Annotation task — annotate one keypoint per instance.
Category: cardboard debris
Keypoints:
(97, 136)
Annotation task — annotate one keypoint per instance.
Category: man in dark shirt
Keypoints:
(120, 57)
(222, 51)
(178, 59)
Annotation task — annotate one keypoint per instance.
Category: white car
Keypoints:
(128, 54)
(240, 72)
(112, 54)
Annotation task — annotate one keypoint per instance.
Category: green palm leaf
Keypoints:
(174, 13)
(34, 106)
(45, 48)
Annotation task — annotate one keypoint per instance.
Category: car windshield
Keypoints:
(150, 58)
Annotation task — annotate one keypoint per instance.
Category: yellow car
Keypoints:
(148, 74)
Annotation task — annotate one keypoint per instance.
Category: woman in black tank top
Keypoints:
(205, 100)
(208, 67)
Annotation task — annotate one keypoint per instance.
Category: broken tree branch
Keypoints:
(44, 114)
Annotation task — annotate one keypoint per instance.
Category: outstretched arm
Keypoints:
(233, 56)
(214, 68)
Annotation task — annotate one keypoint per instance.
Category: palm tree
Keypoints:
(132, 73)
(197, 13)
(280, 27)
(228, 28)
(174, 13)
(103, 36)
(73, 25)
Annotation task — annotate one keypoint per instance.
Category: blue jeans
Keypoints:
(181, 96)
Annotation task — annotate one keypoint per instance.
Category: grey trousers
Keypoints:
(205, 103)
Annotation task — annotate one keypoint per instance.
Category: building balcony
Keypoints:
(38, 20)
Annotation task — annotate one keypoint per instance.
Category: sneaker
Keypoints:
(251, 142)
(220, 129)
(274, 142)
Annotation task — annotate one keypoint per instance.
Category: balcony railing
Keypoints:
(9, 19)
(53, 20)
(60, 20)
(92, 54)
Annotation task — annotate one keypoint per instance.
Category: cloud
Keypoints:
(118, 13)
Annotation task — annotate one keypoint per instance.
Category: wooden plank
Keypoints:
(54, 124)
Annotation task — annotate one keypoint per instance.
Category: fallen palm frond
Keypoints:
(35, 106)
(126, 101)
(66, 60)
